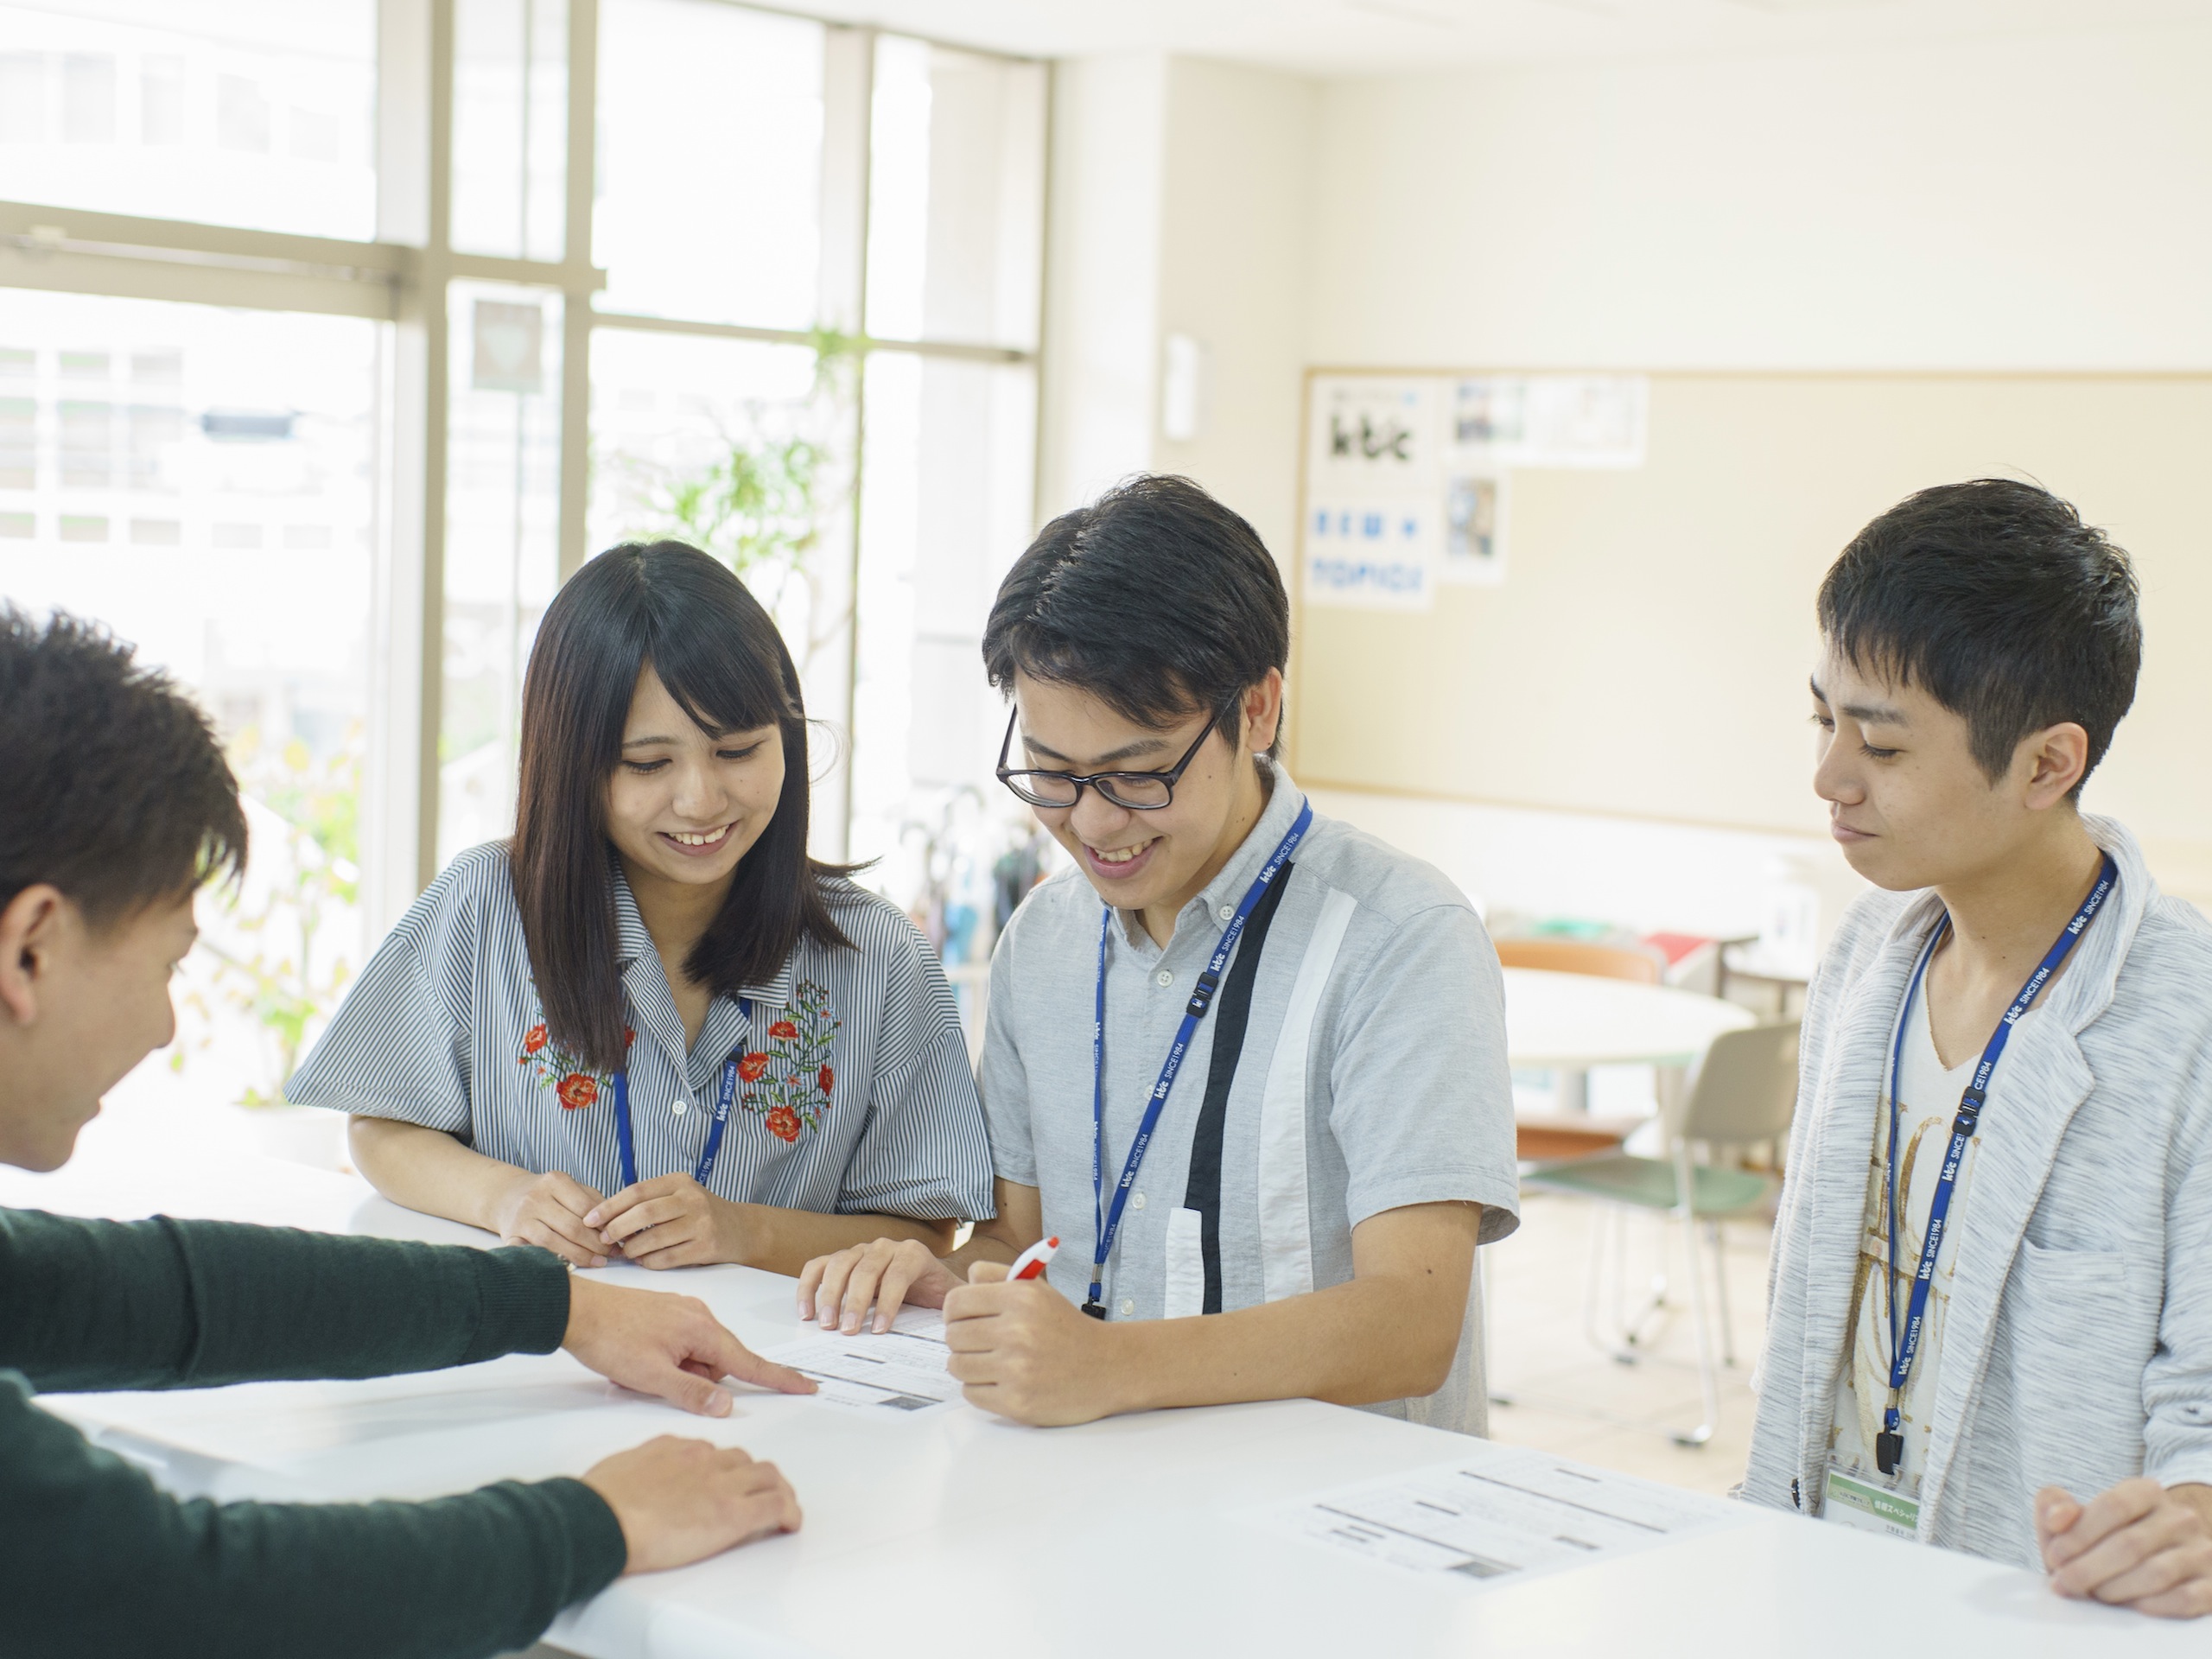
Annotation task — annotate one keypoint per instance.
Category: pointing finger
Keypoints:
(736, 1360)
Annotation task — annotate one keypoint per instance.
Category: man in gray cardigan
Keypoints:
(1988, 1328)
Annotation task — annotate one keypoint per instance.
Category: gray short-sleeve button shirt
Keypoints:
(1365, 1071)
(855, 1094)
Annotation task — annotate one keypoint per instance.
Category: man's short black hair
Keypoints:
(1155, 598)
(113, 787)
(1994, 598)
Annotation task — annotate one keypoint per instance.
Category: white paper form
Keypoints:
(1502, 1518)
(903, 1371)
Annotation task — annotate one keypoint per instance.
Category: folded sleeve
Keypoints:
(95, 1559)
(1003, 1079)
(922, 1151)
(398, 1046)
(1420, 1096)
(97, 1305)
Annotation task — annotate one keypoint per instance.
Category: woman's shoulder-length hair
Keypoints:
(721, 657)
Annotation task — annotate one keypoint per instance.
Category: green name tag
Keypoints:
(1870, 1509)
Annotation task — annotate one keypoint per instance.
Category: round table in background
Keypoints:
(1573, 1021)
(1566, 1023)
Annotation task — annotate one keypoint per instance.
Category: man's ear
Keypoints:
(30, 927)
(2057, 758)
(1263, 712)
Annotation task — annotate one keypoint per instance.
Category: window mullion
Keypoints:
(579, 281)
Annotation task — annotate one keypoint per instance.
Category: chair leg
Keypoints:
(1593, 1288)
(1685, 1211)
(1720, 1282)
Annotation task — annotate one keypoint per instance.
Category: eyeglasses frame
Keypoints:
(1081, 781)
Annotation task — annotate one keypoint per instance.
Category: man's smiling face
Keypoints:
(1135, 859)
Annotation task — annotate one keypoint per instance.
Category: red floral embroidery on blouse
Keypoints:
(574, 1083)
(794, 1067)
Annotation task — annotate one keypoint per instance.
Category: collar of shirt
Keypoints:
(1218, 900)
(638, 961)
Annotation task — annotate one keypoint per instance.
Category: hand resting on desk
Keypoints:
(2140, 1544)
(886, 1275)
(682, 1501)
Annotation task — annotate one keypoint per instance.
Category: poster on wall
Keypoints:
(1474, 528)
(1373, 531)
(1548, 420)
(1377, 555)
(1375, 436)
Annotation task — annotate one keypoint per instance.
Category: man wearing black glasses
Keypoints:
(1264, 1079)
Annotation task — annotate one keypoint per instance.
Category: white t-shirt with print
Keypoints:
(1930, 1092)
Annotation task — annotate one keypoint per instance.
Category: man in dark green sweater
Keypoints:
(115, 807)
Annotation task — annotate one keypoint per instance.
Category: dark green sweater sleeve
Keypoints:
(95, 1559)
(166, 1303)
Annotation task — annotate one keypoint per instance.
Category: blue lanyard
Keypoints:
(723, 1101)
(1109, 1221)
(1889, 1445)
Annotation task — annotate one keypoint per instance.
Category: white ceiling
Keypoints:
(1340, 37)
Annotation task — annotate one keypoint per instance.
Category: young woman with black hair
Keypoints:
(651, 1026)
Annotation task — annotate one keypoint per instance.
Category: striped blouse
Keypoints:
(855, 1094)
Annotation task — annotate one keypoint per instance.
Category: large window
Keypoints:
(334, 338)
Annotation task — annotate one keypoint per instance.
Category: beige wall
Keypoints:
(1236, 239)
(2030, 204)
(1647, 651)
(1180, 197)
(2033, 202)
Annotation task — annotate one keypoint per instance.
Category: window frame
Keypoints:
(402, 277)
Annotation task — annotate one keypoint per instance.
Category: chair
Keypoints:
(1580, 957)
(1744, 1093)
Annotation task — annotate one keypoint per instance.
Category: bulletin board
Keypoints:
(1617, 618)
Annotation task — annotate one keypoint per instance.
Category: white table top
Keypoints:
(956, 1532)
(1576, 1021)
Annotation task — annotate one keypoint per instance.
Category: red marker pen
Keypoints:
(1032, 1261)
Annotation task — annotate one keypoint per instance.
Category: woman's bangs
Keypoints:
(716, 680)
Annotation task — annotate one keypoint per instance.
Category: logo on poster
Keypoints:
(1369, 440)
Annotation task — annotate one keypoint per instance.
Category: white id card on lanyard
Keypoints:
(1866, 1508)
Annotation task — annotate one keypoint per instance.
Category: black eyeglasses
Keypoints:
(1138, 792)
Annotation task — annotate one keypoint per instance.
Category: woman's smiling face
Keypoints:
(683, 803)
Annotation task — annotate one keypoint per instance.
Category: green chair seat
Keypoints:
(1648, 1182)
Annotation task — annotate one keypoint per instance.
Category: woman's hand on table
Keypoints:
(2140, 1544)
(681, 1501)
(886, 1274)
(670, 1346)
(550, 1211)
(668, 1222)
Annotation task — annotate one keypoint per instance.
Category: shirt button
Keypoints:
(678, 1109)
(1228, 912)
(1128, 1307)
(1136, 1200)
(1165, 978)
